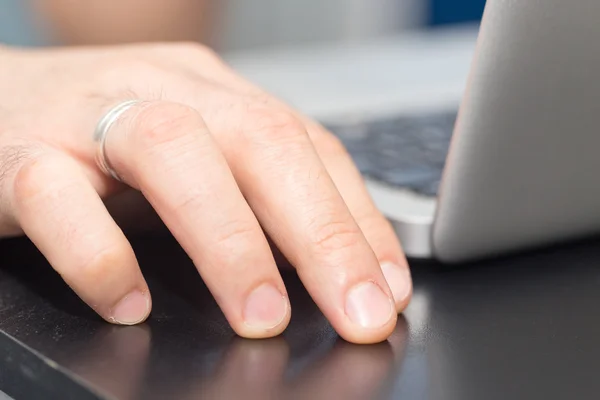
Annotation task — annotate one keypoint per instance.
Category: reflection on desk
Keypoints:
(120, 363)
(186, 350)
(524, 326)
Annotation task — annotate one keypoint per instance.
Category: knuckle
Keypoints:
(335, 236)
(327, 144)
(101, 268)
(129, 67)
(109, 72)
(33, 173)
(161, 123)
(267, 124)
(237, 244)
(375, 226)
(235, 235)
(203, 56)
(370, 218)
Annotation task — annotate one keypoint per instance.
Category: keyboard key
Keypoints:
(403, 151)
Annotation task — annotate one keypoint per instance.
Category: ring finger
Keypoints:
(376, 228)
(165, 150)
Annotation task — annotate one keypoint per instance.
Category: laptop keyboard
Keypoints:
(402, 151)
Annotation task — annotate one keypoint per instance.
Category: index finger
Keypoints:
(376, 228)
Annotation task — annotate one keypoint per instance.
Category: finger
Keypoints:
(166, 151)
(62, 214)
(377, 229)
(297, 203)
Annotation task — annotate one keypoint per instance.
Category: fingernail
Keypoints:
(398, 280)
(368, 306)
(266, 307)
(132, 309)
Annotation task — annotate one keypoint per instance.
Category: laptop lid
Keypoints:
(523, 166)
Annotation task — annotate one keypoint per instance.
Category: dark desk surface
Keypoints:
(520, 327)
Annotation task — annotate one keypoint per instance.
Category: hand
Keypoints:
(223, 164)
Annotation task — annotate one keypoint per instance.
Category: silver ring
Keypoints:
(101, 132)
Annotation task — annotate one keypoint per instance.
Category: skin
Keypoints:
(225, 166)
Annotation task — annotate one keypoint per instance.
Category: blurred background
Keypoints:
(226, 25)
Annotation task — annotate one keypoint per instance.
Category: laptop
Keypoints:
(474, 142)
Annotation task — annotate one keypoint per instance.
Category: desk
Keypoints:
(526, 326)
